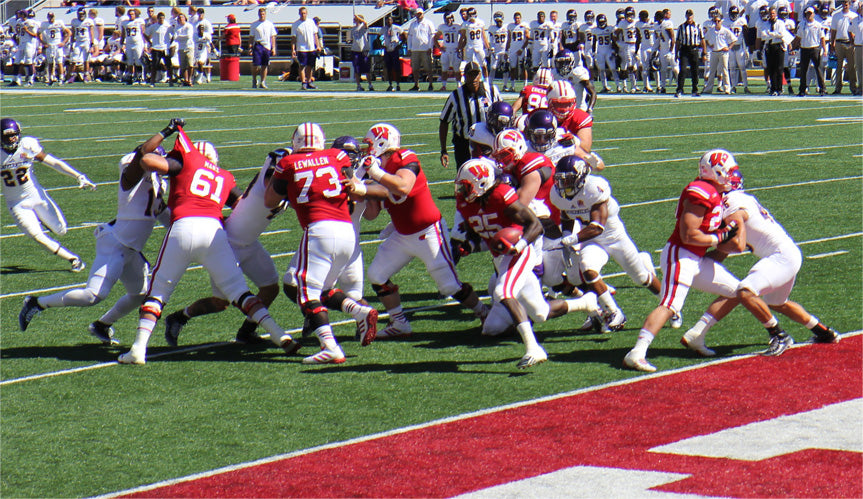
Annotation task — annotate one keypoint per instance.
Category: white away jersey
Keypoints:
(517, 34)
(138, 208)
(540, 33)
(498, 37)
(52, 33)
(596, 190)
(81, 30)
(763, 234)
(556, 152)
(449, 33)
(250, 217)
(472, 32)
(15, 170)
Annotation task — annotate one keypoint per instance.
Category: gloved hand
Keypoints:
(84, 183)
(727, 232)
(173, 126)
(571, 242)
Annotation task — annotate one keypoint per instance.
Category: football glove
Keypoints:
(727, 232)
(173, 126)
(84, 183)
(373, 168)
(571, 242)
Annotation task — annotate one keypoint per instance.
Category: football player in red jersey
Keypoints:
(534, 96)
(311, 180)
(419, 231)
(700, 227)
(561, 99)
(199, 189)
(488, 207)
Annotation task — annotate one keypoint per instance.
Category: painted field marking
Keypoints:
(815, 153)
(826, 255)
(655, 150)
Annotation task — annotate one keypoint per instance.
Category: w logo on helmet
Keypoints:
(512, 135)
(478, 171)
(381, 132)
(718, 159)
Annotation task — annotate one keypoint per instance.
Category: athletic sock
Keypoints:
(645, 338)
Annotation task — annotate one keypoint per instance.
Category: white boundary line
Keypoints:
(438, 422)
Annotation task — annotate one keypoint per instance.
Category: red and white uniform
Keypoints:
(514, 277)
(313, 183)
(196, 197)
(533, 97)
(420, 232)
(576, 121)
(683, 265)
(535, 162)
(773, 276)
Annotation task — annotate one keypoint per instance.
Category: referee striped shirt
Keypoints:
(689, 35)
(463, 110)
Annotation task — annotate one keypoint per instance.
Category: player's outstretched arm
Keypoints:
(64, 168)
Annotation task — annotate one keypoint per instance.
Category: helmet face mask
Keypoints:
(589, 17)
(382, 138)
(601, 21)
(564, 62)
(349, 146)
(716, 166)
(11, 134)
(499, 116)
(570, 176)
(733, 13)
(509, 148)
(561, 99)
(541, 130)
(571, 15)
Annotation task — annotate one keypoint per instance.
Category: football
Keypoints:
(505, 238)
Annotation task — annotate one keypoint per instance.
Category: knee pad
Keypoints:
(462, 294)
(247, 301)
(312, 307)
(290, 292)
(595, 279)
(152, 306)
(385, 289)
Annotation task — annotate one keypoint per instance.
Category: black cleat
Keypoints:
(173, 324)
(30, 309)
(824, 334)
(104, 333)
(247, 335)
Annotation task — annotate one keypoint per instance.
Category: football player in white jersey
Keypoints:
(738, 55)
(473, 41)
(119, 246)
(83, 33)
(628, 37)
(773, 275)
(55, 35)
(587, 40)
(603, 50)
(30, 205)
(249, 218)
(578, 76)
(569, 32)
(28, 47)
(647, 31)
(499, 36)
(516, 50)
(448, 38)
(587, 199)
(203, 47)
(540, 42)
(133, 46)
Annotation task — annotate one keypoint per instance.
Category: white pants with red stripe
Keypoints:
(683, 269)
(515, 279)
(324, 253)
(257, 264)
(202, 240)
(431, 245)
(772, 278)
(351, 280)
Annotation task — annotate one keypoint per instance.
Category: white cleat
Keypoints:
(677, 321)
(78, 265)
(395, 329)
(131, 358)
(326, 357)
(696, 343)
(367, 327)
(616, 320)
(532, 358)
(638, 363)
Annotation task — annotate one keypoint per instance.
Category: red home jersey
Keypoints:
(201, 188)
(700, 193)
(486, 217)
(531, 162)
(417, 210)
(533, 97)
(577, 120)
(314, 185)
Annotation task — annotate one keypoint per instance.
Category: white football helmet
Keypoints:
(509, 147)
(475, 178)
(561, 99)
(481, 140)
(716, 165)
(521, 123)
(382, 138)
(208, 150)
(308, 137)
(543, 77)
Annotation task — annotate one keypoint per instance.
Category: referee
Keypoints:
(465, 106)
(689, 41)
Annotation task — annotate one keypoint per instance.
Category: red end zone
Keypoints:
(611, 428)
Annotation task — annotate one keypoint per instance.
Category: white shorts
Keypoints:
(475, 55)
(772, 278)
(430, 245)
(515, 279)
(605, 60)
(133, 55)
(515, 58)
(627, 56)
(54, 54)
(539, 56)
(621, 248)
(26, 54)
(202, 57)
(32, 212)
(201, 240)
(645, 55)
(683, 269)
(325, 250)
(80, 53)
(257, 264)
(553, 262)
(449, 60)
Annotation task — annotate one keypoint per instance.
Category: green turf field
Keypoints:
(114, 427)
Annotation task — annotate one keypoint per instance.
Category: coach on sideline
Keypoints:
(465, 106)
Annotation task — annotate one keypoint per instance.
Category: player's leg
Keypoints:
(593, 258)
(28, 223)
(768, 274)
(257, 264)
(434, 251)
(513, 272)
(392, 255)
(135, 279)
(694, 337)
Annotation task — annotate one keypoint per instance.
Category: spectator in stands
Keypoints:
(360, 51)
(231, 37)
(305, 47)
(420, 37)
(262, 46)
(392, 45)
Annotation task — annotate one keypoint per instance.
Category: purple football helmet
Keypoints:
(499, 116)
(541, 130)
(11, 134)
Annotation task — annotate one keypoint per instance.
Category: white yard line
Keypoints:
(826, 255)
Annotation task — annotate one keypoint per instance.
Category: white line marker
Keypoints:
(826, 255)
(655, 150)
(816, 153)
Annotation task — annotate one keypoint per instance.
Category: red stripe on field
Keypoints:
(611, 427)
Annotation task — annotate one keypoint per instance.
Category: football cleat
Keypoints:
(104, 333)
(78, 265)
(778, 344)
(532, 358)
(827, 335)
(247, 335)
(638, 363)
(395, 329)
(367, 327)
(326, 357)
(615, 320)
(30, 309)
(131, 357)
(677, 321)
(173, 324)
(696, 343)
(289, 345)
